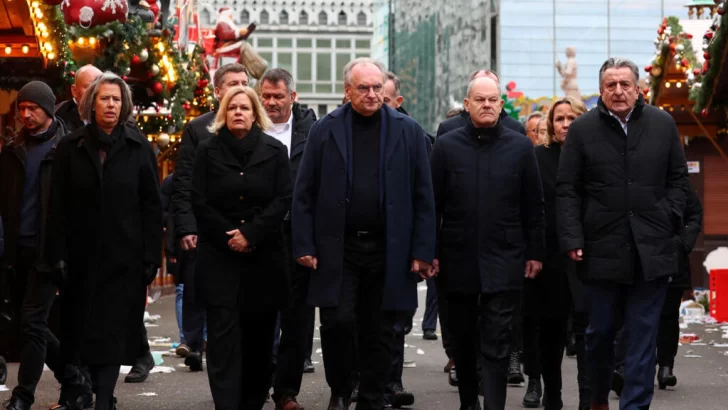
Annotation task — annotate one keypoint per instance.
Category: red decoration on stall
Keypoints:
(157, 87)
(648, 68)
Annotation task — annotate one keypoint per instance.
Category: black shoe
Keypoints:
(354, 394)
(16, 403)
(475, 406)
(665, 378)
(194, 361)
(140, 371)
(452, 378)
(618, 381)
(532, 398)
(570, 349)
(515, 376)
(308, 366)
(337, 403)
(399, 397)
(429, 335)
(66, 402)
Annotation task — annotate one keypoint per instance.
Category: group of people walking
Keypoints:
(275, 213)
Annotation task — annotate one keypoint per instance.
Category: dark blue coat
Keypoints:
(490, 208)
(319, 211)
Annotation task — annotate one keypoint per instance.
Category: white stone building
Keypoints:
(313, 39)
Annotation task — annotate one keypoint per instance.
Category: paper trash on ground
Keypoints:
(156, 369)
(420, 351)
(4, 387)
(148, 394)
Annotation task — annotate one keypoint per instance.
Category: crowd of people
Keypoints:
(580, 221)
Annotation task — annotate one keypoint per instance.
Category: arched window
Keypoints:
(323, 18)
(361, 19)
(264, 17)
(303, 18)
(244, 17)
(283, 17)
(342, 19)
(205, 15)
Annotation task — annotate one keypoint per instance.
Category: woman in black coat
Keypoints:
(669, 331)
(548, 297)
(107, 226)
(241, 193)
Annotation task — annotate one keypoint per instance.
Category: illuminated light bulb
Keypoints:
(44, 34)
(70, 42)
(667, 84)
(149, 138)
(48, 47)
(41, 26)
(25, 49)
(38, 14)
(34, 4)
(678, 85)
(92, 40)
(81, 40)
(160, 47)
(51, 56)
(8, 50)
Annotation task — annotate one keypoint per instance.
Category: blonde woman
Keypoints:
(241, 193)
(547, 298)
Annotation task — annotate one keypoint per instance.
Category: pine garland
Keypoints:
(704, 90)
(672, 44)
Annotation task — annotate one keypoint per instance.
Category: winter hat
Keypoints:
(40, 93)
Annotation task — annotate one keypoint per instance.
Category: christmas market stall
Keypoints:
(686, 79)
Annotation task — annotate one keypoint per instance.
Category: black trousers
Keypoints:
(239, 343)
(193, 310)
(442, 307)
(429, 320)
(481, 327)
(401, 321)
(669, 332)
(104, 380)
(38, 293)
(297, 323)
(359, 314)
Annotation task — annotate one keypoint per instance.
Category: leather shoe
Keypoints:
(665, 377)
(16, 403)
(617, 382)
(429, 335)
(452, 378)
(194, 361)
(450, 364)
(288, 403)
(399, 397)
(140, 371)
(308, 366)
(182, 350)
(475, 406)
(337, 403)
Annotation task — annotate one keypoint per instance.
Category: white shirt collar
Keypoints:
(285, 126)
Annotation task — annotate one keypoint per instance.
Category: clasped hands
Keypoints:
(238, 242)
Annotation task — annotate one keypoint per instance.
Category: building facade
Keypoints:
(313, 39)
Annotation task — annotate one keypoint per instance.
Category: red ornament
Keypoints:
(72, 74)
(688, 35)
(511, 86)
(705, 67)
(124, 78)
(91, 13)
(157, 87)
(136, 60)
(696, 71)
(706, 55)
(673, 46)
(52, 2)
(646, 90)
(708, 35)
(648, 68)
(660, 31)
(705, 113)
(685, 62)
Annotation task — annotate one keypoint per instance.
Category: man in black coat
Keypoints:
(363, 218)
(291, 125)
(453, 123)
(620, 199)
(193, 313)
(490, 211)
(25, 187)
(68, 110)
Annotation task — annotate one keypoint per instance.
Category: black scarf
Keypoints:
(103, 140)
(242, 149)
(43, 136)
(482, 135)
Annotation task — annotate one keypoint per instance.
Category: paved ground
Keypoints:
(703, 381)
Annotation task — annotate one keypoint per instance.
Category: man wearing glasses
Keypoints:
(363, 218)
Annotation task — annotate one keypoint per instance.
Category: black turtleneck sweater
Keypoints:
(364, 213)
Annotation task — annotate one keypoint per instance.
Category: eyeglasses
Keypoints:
(364, 89)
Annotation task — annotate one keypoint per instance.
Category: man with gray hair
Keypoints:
(363, 218)
(621, 190)
(490, 215)
(531, 124)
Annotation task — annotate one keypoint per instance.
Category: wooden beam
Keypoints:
(693, 130)
(709, 136)
(4, 18)
(17, 39)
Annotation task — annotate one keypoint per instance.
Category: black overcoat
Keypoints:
(107, 225)
(318, 214)
(490, 208)
(253, 198)
(617, 192)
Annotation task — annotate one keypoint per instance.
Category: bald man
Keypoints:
(490, 210)
(68, 110)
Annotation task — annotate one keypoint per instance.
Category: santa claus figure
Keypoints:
(230, 41)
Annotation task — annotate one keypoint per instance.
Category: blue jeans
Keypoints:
(178, 292)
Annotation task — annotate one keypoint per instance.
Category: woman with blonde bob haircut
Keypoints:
(241, 191)
(550, 296)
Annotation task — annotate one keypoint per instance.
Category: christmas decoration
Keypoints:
(144, 55)
(230, 41)
(157, 87)
(155, 69)
(673, 47)
(91, 13)
(705, 90)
